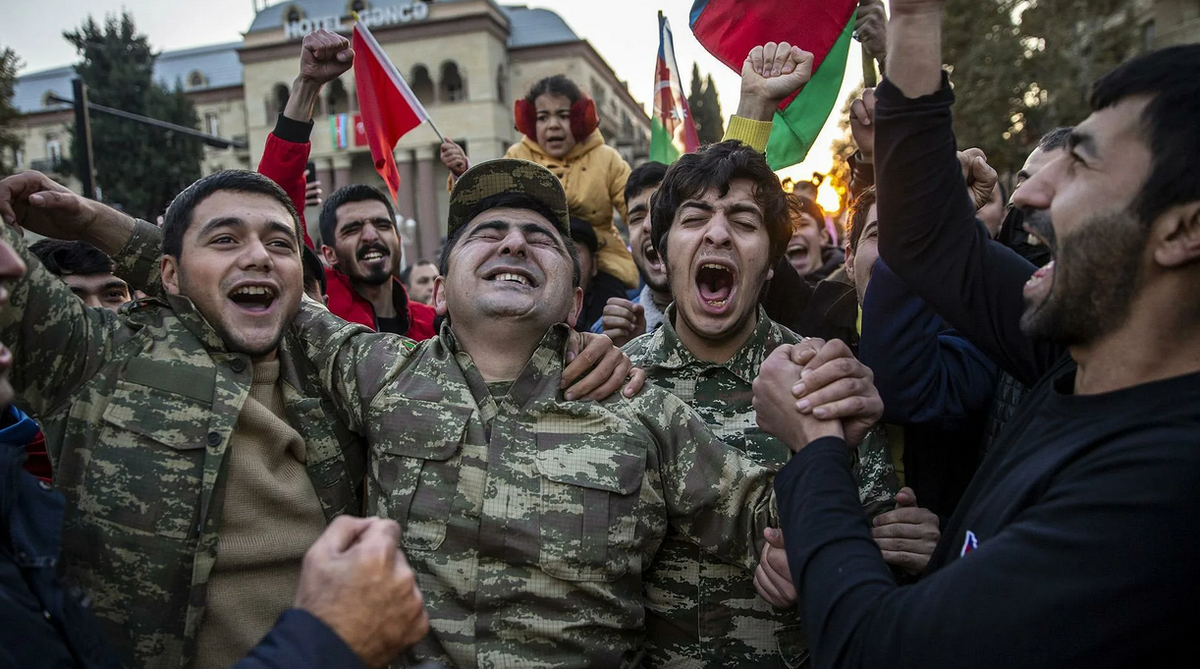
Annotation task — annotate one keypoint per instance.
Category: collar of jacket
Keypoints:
(666, 351)
(586, 146)
(543, 367)
(184, 310)
(345, 302)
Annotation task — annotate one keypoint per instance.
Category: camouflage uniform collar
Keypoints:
(185, 311)
(544, 366)
(665, 351)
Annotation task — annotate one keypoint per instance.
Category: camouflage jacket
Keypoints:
(529, 519)
(702, 612)
(138, 409)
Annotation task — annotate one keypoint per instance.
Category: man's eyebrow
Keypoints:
(639, 208)
(221, 222)
(115, 284)
(1022, 174)
(1082, 140)
(697, 204)
(739, 207)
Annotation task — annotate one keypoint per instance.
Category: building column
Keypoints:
(429, 228)
(406, 204)
(341, 171)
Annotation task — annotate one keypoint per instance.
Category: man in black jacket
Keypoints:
(1075, 543)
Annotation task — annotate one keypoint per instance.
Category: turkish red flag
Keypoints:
(389, 108)
(360, 131)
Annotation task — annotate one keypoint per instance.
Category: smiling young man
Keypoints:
(183, 434)
(1075, 543)
(530, 517)
(85, 269)
(721, 223)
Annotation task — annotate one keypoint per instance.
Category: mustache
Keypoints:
(362, 253)
(1038, 222)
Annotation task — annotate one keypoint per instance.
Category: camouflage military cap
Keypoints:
(508, 175)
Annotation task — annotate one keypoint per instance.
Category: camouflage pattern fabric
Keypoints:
(508, 175)
(702, 612)
(529, 519)
(138, 409)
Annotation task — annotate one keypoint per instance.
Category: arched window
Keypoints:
(293, 14)
(276, 101)
(197, 79)
(422, 84)
(337, 100)
(501, 85)
(452, 87)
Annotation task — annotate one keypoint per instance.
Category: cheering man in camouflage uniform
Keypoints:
(720, 221)
(530, 518)
(197, 455)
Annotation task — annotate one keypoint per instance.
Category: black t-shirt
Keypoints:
(395, 325)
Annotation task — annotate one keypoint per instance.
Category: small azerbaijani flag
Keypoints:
(339, 130)
(672, 131)
(389, 108)
(729, 29)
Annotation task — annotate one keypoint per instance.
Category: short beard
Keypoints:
(376, 278)
(1096, 275)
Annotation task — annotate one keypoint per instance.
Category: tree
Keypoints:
(10, 141)
(138, 167)
(1021, 68)
(706, 108)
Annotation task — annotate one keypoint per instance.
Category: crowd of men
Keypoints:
(962, 432)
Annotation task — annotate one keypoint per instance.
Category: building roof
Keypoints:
(218, 65)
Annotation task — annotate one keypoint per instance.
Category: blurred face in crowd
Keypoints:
(510, 264)
(11, 268)
(860, 260)
(1079, 203)
(98, 290)
(366, 247)
(240, 265)
(648, 262)
(420, 282)
(718, 254)
(554, 124)
(804, 248)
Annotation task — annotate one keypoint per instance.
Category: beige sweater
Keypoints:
(271, 516)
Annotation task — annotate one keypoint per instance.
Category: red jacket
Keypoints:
(344, 301)
(283, 161)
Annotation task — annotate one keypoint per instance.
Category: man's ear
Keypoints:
(439, 297)
(169, 273)
(576, 308)
(1176, 236)
(329, 254)
(849, 260)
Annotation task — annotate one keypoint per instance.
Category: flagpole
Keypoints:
(435, 129)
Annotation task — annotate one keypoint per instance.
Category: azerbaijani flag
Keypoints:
(729, 29)
(672, 131)
(339, 130)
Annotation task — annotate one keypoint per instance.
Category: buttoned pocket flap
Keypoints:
(613, 463)
(420, 429)
(162, 416)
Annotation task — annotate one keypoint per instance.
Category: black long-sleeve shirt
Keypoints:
(1075, 544)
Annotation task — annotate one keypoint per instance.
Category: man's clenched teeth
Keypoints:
(506, 276)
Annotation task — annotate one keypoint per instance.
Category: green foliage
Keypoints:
(10, 141)
(706, 108)
(138, 167)
(1021, 68)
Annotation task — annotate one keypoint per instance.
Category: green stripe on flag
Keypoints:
(797, 126)
(662, 145)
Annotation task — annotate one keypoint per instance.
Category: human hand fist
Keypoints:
(356, 581)
(870, 27)
(775, 403)
(908, 534)
(862, 124)
(980, 177)
(770, 73)
(773, 578)
(454, 158)
(34, 201)
(324, 56)
(834, 385)
(623, 320)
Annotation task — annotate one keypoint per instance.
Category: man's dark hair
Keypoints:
(802, 204)
(510, 200)
(1171, 121)
(179, 215)
(646, 175)
(67, 258)
(582, 232)
(1055, 139)
(346, 195)
(558, 84)
(858, 215)
(313, 269)
(716, 166)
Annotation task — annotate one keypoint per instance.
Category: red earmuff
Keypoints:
(584, 119)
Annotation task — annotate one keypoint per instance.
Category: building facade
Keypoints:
(466, 60)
